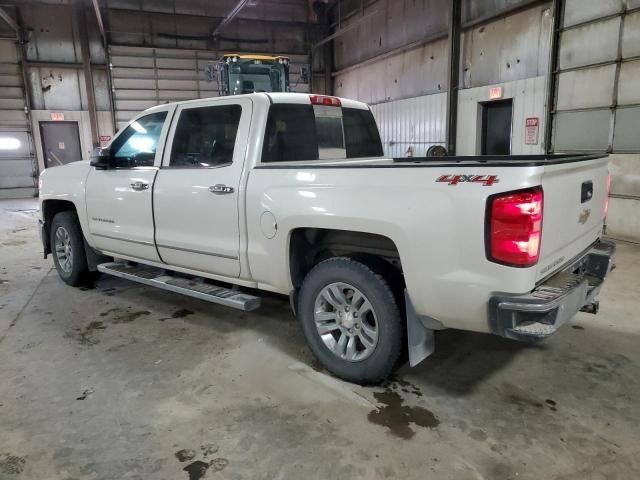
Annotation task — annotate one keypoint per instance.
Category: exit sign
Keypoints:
(495, 93)
(57, 116)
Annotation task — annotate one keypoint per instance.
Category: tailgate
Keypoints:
(575, 195)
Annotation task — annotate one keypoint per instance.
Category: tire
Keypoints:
(71, 264)
(320, 304)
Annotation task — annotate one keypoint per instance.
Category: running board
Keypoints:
(195, 287)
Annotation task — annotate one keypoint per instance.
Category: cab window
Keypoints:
(205, 137)
(316, 132)
(136, 146)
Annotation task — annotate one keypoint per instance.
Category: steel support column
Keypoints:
(554, 58)
(81, 19)
(455, 31)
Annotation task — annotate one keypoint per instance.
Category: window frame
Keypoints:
(160, 148)
(178, 116)
(246, 106)
(320, 158)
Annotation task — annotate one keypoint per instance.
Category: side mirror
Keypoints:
(101, 159)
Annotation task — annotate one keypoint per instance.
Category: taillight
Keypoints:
(514, 227)
(324, 100)
(606, 202)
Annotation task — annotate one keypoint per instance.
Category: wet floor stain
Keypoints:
(185, 454)
(12, 464)
(129, 316)
(219, 464)
(399, 418)
(208, 449)
(394, 383)
(183, 312)
(85, 394)
(85, 335)
(124, 315)
(478, 435)
(523, 401)
(197, 469)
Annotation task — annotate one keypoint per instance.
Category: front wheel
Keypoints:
(351, 320)
(67, 245)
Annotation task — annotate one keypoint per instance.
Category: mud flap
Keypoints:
(420, 340)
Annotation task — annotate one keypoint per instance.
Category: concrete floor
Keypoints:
(124, 382)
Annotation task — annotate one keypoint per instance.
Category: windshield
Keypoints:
(251, 76)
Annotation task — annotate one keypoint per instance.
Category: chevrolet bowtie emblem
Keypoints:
(584, 216)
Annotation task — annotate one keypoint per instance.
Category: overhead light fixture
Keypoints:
(9, 143)
(138, 128)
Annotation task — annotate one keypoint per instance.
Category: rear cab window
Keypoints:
(299, 132)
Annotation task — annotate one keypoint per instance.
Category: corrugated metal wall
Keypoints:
(508, 49)
(389, 25)
(416, 123)
(17, 160)
(144, 77)
(597, 104)
(416, 72)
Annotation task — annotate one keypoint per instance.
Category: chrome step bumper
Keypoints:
(539, 314)
(196, 288)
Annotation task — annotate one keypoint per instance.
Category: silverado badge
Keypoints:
(584, 216)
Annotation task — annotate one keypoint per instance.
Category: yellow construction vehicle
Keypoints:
(238, 74)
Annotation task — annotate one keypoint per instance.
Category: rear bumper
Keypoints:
(540, 313)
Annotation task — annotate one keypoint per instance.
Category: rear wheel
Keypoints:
(67, 245)
(351, 320)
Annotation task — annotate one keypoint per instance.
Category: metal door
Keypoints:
(60, 143)
(496, 127)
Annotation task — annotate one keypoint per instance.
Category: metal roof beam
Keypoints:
(7, 18)
(229, 18)
(96, 8)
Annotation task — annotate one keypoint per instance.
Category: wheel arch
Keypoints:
(50, 208)
(309, 246)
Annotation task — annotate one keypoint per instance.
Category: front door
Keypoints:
(119, 199)
(496, 127)
(196, 193)
(60, 143)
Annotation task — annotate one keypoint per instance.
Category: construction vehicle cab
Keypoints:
(239, 74)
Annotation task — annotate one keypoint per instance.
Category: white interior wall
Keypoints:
(529, 99)
(105, 127)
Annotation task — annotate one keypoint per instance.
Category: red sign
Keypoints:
(57, 116)
(531, 132)
(104, 140)
(495, 93)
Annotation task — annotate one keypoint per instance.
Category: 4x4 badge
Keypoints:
(453, 180)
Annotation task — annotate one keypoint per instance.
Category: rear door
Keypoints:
(197, 191)
(575, 195)
(119, 200)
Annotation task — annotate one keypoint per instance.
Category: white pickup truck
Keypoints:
(290, 193)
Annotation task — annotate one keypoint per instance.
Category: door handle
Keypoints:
(139, 186)
(220, 189)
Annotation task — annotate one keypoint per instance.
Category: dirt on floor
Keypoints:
(124, 381)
